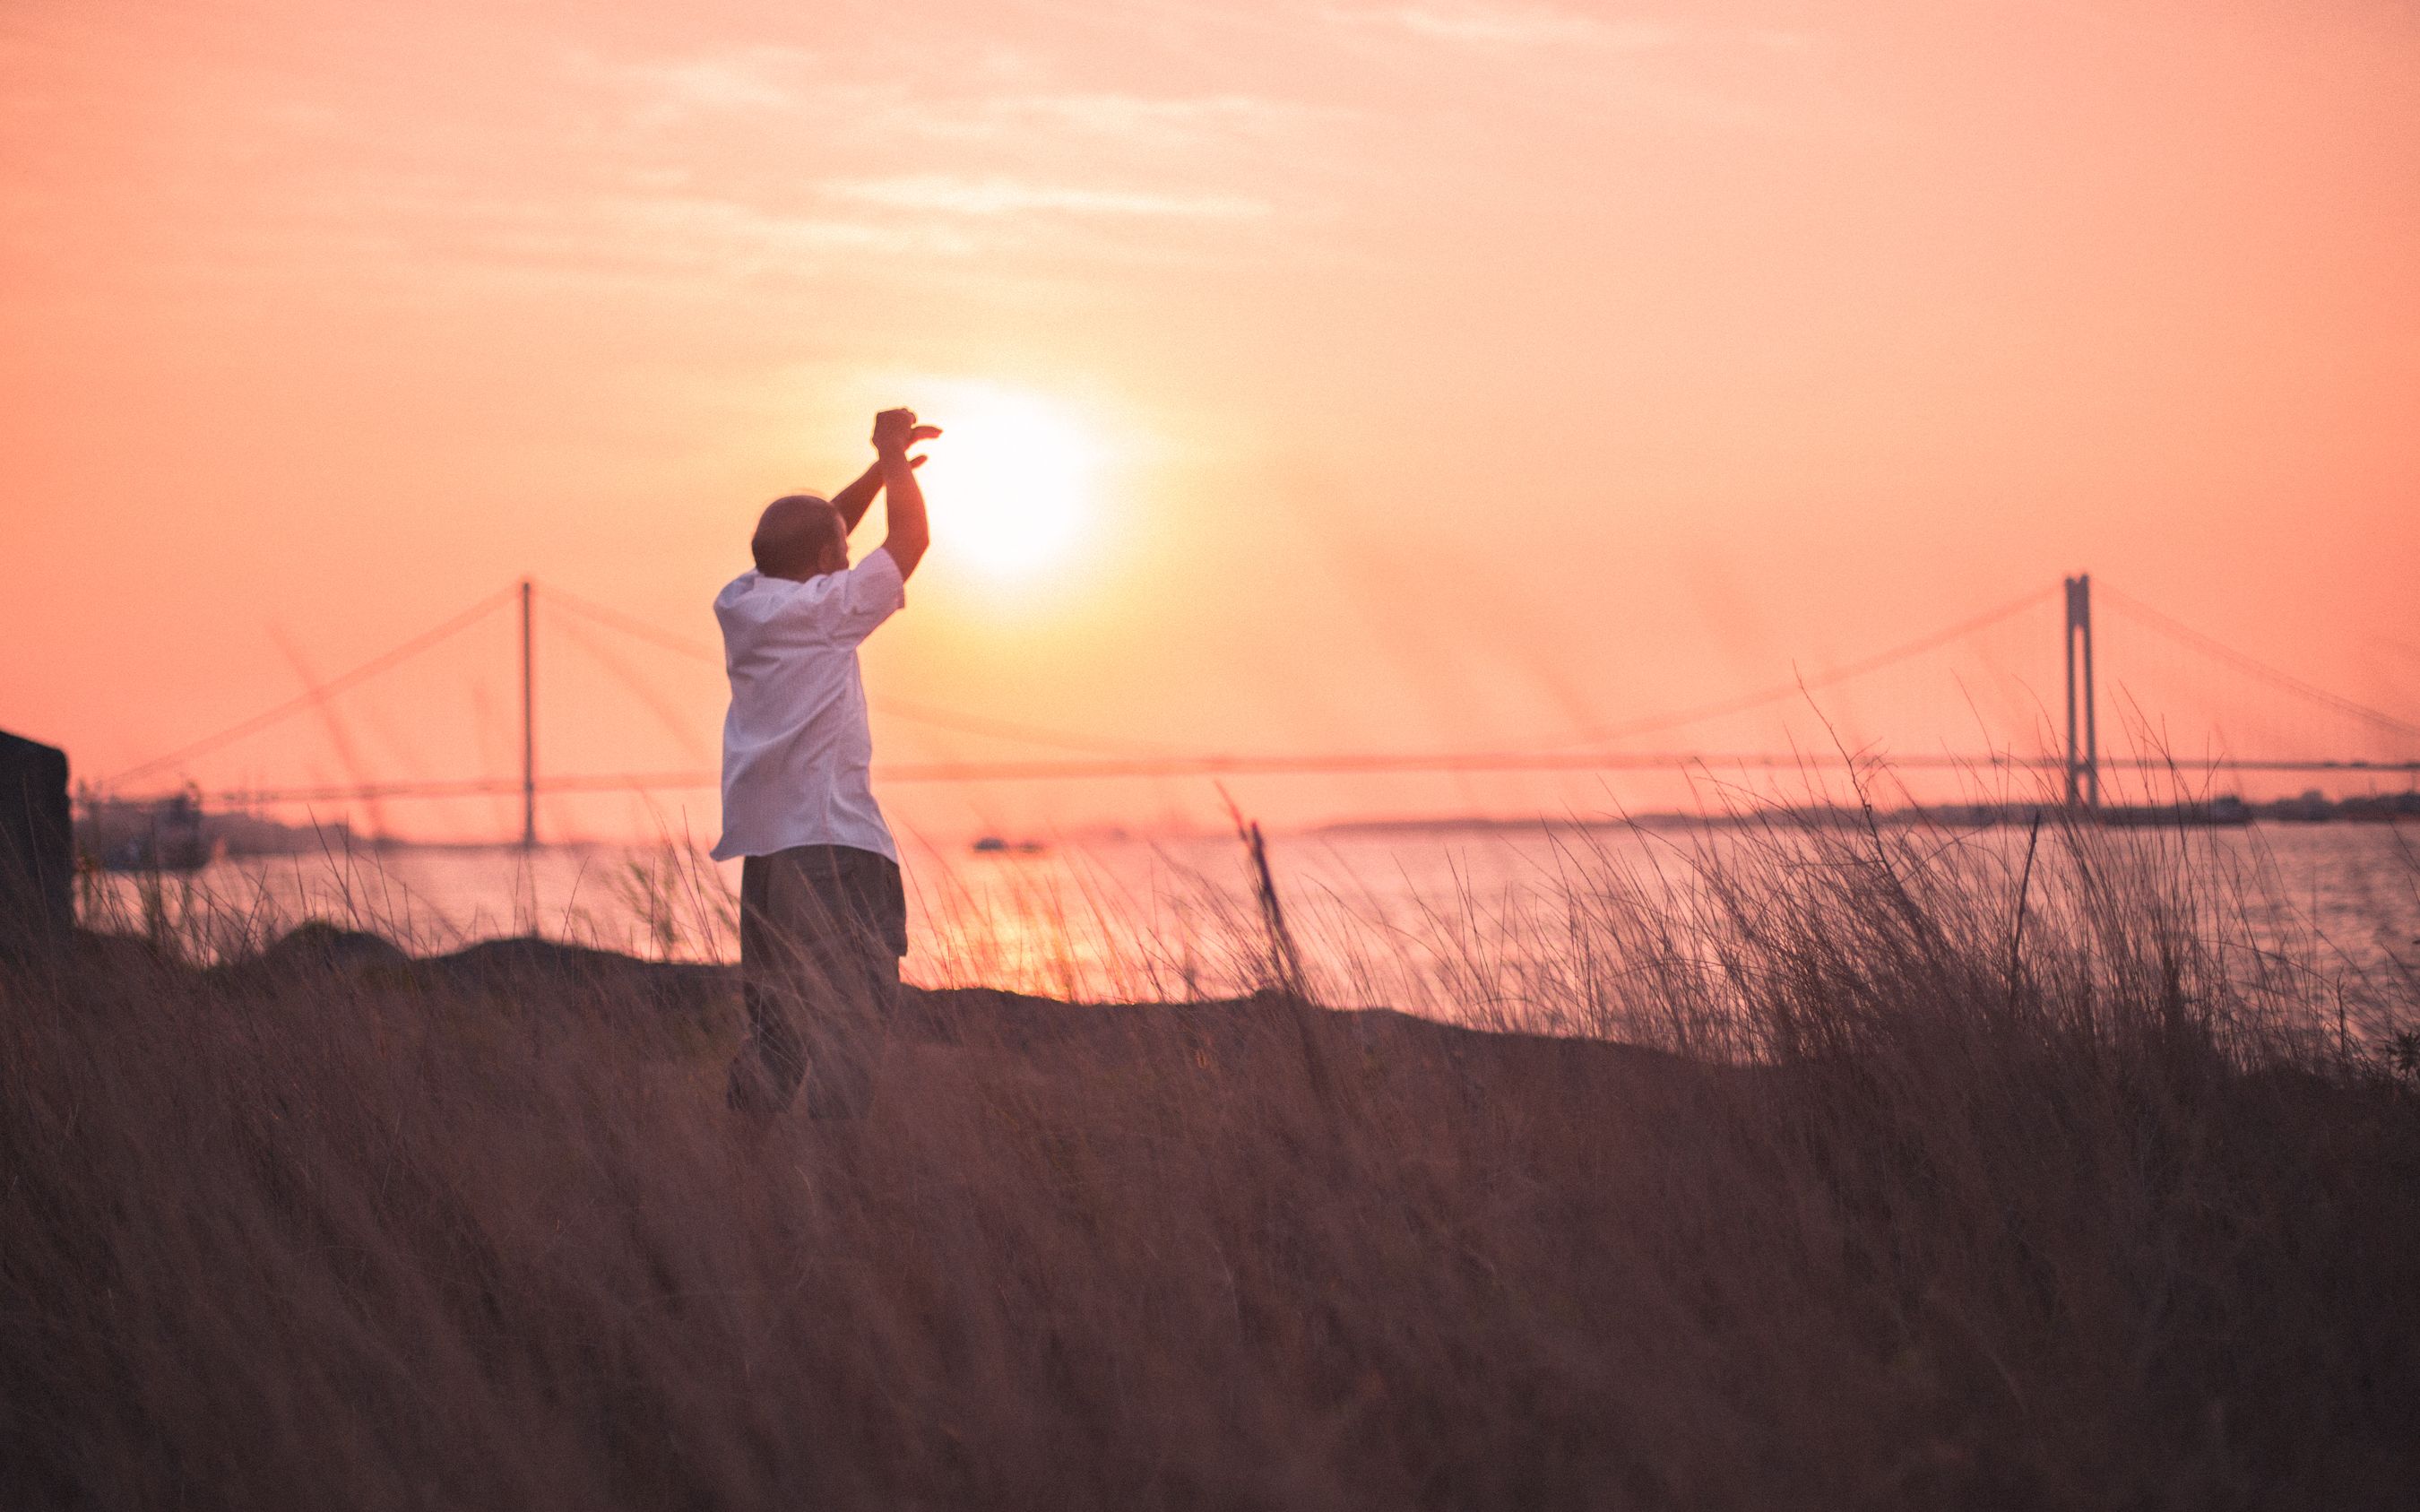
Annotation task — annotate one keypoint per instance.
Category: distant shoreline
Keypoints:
(255, 839)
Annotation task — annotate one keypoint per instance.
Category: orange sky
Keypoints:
(1463, 374)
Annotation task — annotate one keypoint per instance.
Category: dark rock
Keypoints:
(535, 969)
(318, 945)
(311, 951)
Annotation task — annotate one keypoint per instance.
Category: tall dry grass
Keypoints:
(1927, 1176)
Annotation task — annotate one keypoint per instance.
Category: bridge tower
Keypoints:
(529, 727)
(2082, 761)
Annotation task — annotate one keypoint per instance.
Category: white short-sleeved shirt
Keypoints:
(796, 747)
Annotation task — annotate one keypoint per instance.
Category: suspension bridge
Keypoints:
(2079, 762)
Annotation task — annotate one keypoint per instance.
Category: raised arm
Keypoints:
(894, 432)
(854, 500)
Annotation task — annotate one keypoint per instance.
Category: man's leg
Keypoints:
(855, 964)
(772, 968)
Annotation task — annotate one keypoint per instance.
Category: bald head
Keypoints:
(799, 536)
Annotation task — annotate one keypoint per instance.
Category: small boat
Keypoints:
(995, 845)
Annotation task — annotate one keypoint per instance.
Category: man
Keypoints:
(823, 919)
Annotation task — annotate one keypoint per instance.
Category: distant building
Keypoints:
(145, 834)
(2312, 807)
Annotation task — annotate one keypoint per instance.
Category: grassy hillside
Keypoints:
(1912, 1186)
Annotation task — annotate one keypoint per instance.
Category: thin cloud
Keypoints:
(747, 79)
(732, 227)
(1158, 119)
(1523, 26)
(1686, 72)
(1000, 196)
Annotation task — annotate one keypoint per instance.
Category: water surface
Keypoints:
(1436, 919)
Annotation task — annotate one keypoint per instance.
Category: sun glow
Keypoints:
(1011, 483)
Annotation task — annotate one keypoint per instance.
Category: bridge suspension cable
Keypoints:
(2214, 647)
(1095, 745)
(319, 695)
(914, 713)
(1799, 686)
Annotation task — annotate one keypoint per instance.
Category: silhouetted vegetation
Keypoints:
(1864, 1171)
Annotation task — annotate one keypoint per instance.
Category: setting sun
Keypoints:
(1011, 481)
(1324, 753)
